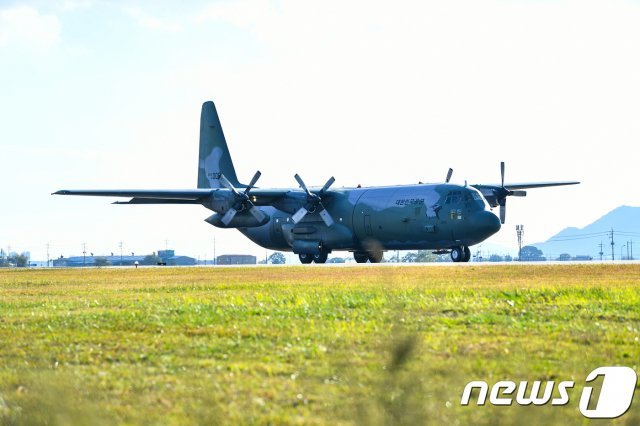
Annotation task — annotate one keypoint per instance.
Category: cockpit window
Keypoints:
(453, 197)
(479, 199)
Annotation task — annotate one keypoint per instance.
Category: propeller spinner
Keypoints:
(502, 193)
(314, 202)
(241, 200)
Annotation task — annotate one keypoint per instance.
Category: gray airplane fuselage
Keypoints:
(426, 216)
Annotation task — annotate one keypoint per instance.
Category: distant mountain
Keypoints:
(625, 222)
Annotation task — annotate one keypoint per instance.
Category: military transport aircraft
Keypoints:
(312, 223)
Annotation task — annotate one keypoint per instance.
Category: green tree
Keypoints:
(101, 261)
(19, 260)
(277, 258)
(426, 256)
(531, 253)
(409, 257)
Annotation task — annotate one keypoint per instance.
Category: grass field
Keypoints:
(306, 345)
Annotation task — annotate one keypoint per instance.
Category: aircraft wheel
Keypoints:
(320, 258)
(457, 254)
(305, 258)
(467, 254)
(375, 256)
(360, 257)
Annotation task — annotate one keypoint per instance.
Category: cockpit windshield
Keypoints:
(478, 198)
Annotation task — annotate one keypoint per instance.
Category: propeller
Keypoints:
(502, 193)
(314, 201)
(449, 173)
(241, 200)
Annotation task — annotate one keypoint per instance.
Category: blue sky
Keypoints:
(99, 94)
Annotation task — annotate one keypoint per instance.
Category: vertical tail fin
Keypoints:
(214, 156)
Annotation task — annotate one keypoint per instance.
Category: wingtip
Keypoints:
(60, 192)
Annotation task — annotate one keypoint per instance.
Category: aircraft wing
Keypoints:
(539, 184)
(139, 196)
(259, 196)
(528, 185)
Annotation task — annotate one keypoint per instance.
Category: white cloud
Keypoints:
(24, 25)
(145, 20)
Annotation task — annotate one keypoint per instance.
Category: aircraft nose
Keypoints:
(487, 223)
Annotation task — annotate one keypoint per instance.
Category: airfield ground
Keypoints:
(306, 345)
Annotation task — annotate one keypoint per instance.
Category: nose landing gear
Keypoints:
(317, 258)
(460, 254)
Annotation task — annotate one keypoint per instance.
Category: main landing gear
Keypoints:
(460, 254)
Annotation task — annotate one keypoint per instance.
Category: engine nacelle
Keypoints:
(242, 219)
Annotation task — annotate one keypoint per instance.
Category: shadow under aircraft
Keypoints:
(313, 222)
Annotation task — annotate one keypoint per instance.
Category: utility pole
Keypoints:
(215, 259)
(613, 254)
(84, 254)
(120, 253)
(621, 256)
(47, 255)
(628, 242)
(520, 232)
(601, 252)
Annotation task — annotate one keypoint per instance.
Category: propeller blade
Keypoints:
(257, 213)
(449, 174)
(228, 216)
(327, 185)
(503, 211)
(502, 173)
(302, 185)
(253, 182)
(518, 193)
(225, 182)
(326, 217)
(299, 215)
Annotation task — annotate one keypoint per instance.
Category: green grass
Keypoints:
(306, 345)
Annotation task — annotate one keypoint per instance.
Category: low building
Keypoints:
(76, 261)
(236, 259)
(179, 261)
(116, 260)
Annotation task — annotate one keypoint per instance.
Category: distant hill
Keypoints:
(625, 221)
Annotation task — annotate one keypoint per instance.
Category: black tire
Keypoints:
(305, 258)
(467, 254)
(320, 258)
(360, 257)
(457, 254)
(375, 256)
